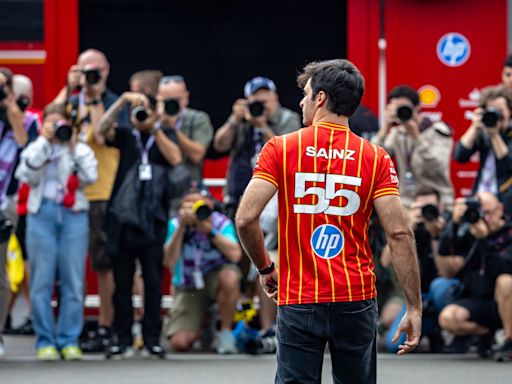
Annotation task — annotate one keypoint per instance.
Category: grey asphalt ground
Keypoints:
(20, 366)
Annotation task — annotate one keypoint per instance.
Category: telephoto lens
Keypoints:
(92, 76)
(256, 108)
(404, 113)
(139, 113)
(430, 212)
(201, 209)
(490, 117)
(63, 131)
(171, 106)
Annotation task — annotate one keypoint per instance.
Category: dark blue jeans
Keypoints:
(304, 329)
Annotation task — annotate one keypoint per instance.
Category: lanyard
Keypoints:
(144, 150)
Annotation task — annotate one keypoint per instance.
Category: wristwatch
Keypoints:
(267, 270)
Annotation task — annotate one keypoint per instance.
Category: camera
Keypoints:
(404, 113)
(140, 114)
(472, 214)
(92, 76)
(256, 108)
(63, 131)
(23, 102)
(201, 210)
(3, 93)
(6, 227)
(171, 106)
(430, 212)
(491, 117)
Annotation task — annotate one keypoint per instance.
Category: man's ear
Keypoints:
(321, 99)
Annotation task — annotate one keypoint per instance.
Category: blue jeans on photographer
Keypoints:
(57, 241)
(350, 328)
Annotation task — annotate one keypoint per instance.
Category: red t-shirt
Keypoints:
(327, 178)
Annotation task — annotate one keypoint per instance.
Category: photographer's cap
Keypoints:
(258, 83)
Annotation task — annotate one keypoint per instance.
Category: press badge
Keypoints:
(145, 172)
(198, 279)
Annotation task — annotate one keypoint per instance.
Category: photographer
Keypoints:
(428, 220)
(138, 216)
(87, 97)
(202, 249)
(23, 93)
(489, 134)
(253, 121)
(476, 248)
(421, 148)
(13, 137)
(193, 128)
(57, 167)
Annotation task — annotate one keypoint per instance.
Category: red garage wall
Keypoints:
(413, 29)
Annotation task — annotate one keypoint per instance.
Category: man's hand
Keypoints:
(435, 227)
(238, 111)
(135, 98)
(186, 215)
(411, 325)
(204, 226)
(479, 230)
(459, 208)
(269, 284)
(74, 77)
(412, 127)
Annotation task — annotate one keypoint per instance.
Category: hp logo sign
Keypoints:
(453, 49)
(327, 241)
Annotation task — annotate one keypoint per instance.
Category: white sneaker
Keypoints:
(226, 342)
(2, 347)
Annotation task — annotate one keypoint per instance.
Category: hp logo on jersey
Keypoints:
(327, 241)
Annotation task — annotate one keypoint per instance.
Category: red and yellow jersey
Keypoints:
(327, 178)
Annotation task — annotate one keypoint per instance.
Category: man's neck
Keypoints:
(330, 117)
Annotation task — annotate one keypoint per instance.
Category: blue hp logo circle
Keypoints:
(327, 241)
(453, 49)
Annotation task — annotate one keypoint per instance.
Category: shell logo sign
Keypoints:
(429, 96)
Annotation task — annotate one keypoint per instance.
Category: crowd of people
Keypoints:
(118, 179)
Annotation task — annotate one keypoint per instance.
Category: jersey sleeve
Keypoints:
(267, 166)
(386, 178)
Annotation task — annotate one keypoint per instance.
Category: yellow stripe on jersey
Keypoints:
(299, 152)
(333, 125)
(313, 221)
(386, 193)
(352, 222)
(287, 221)
(343, 256)
(370, 191)
(267, 177)
(388, 189)
(333, 287)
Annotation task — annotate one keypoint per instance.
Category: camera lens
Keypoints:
(404, 113)
(139, 113)
(490, 117)
(472, 214)
(63, 131)
(201, 210)
(430, 212)
(23, 102)
(256, 108)
(92, 76)
(172, 107)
